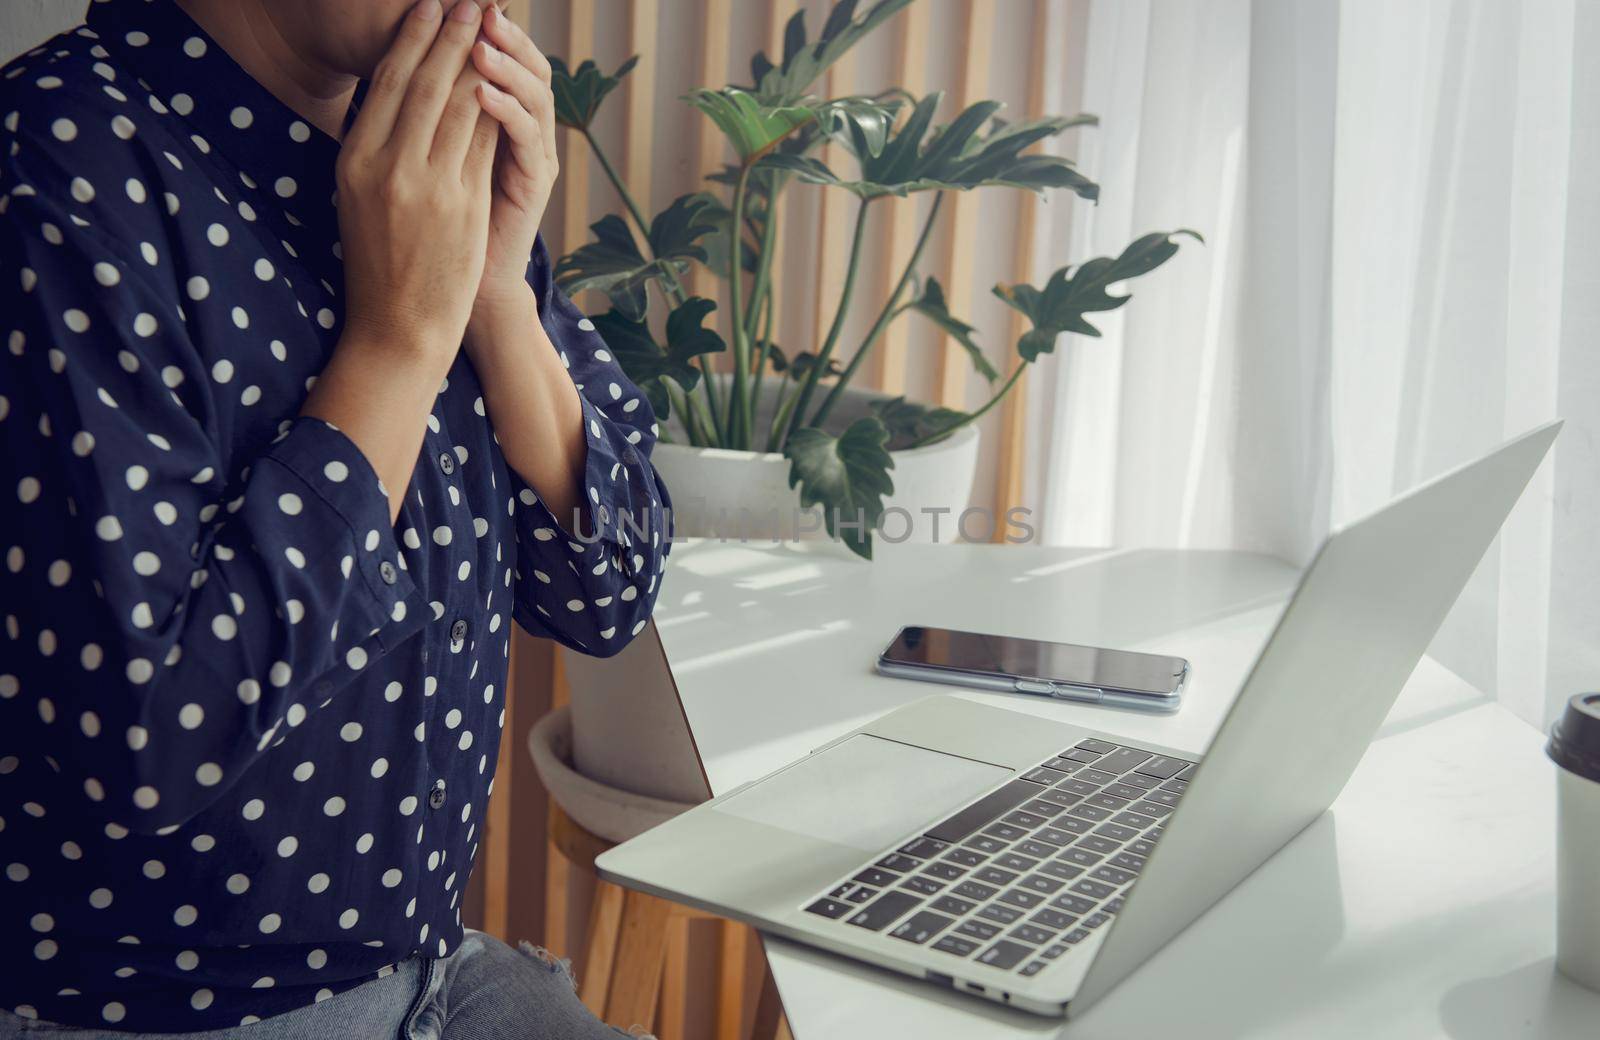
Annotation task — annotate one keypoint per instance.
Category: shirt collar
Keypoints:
(224, 107)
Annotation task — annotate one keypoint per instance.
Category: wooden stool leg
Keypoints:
(605, 926)
(636, 976)
(672, 1016)
(769, 1024)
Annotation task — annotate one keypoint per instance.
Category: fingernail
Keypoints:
(492, 54)
(465, 11)
(429, 10)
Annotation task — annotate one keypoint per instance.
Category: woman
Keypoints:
(296, 425)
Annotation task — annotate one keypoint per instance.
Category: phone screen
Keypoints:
(1031, 658)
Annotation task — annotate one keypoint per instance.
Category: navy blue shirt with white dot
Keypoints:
(248, 726)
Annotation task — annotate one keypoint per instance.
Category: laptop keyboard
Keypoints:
(1022, 875)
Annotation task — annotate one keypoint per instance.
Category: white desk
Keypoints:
(1419, 906)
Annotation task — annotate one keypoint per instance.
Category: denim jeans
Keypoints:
(483, 991)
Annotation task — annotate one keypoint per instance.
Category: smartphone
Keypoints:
(1117, 678)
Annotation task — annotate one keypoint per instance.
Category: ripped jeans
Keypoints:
(483, 991)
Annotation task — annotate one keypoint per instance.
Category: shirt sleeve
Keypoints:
(593, 593)
(184, 608)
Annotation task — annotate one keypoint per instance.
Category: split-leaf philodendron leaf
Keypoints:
(578, 94)
(647, 363)
(847, 476)
(614, 265)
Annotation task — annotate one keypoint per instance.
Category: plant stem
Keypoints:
(883, 319)
(735, 415)
(820, 363)
(761, 362)
(941, 434)
(669, 276)
(764, 263)
(780, 417)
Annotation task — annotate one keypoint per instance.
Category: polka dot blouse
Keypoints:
(248, 726)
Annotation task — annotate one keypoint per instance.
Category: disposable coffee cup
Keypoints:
(1575, 747)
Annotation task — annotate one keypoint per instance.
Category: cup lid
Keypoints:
(1575, 740)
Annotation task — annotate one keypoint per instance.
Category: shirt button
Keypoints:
(386, 571)
(437, 796)
(447, 462)
(458, 632)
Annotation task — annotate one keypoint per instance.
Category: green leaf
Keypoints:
(908, 421)
(753, 126)
(578, 94)
(847, 476)
(930, 303)
(803, 61)
(614, 265)
(1068, 295)
(960, 156)
(646, 363)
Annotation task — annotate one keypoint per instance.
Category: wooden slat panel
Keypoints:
(1014, 409)
(574, 182)
(638, 155)
(710, 146)
(972, 82)
(910, 72)
(778, 14)
(497, 828)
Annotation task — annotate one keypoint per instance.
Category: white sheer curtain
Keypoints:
(1399, 202)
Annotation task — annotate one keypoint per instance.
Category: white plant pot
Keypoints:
(628, 736)
(721, 493)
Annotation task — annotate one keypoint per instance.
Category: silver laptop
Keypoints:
(1037, 864)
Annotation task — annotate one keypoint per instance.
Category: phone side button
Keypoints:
(1033, 686)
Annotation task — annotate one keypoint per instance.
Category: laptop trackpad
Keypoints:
(864, 792)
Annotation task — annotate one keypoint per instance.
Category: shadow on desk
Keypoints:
(1533, 1000)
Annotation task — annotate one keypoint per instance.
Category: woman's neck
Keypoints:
(262, 44)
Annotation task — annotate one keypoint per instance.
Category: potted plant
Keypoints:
(789, 425)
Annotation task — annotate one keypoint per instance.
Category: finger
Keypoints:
(459, 126)
(522, 129)
(433, 85)
(510, 37)
(509, 75)
(393, 76)
(481, 149)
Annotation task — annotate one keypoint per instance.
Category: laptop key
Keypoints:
(1059, 798)
(1081, 856)
(1112, 875)
(841, 890)
(1043, 775)
(1022, 897)
(970, 889)
(1163, 797)
(1103, 747)
(1073, 824)
(1150, 808)
(1133, 819)
(1097, 843)
(1006, 831)
(1055, 836)
(876, 877)
(1046, 808)
(944, 871)
(1077, 935)
(1163, 767)
(1072, 904)
(1117, 832)
(830, 908)
(860, 894)
(888, 908)
(1124, 791)
(1128, 861)
(992, 875)
(1043, 883)
(985, 843)
(1004, 954)
(1033, 968)
(1096, 775)
(952, 906)
(1187, 773)
(979, 930)
(1064, 765)
(924, 848)
(1050, 953)
(1093, 889)
(1031, 934)
(1107, 801)
(965, 857)
(1000, 913)
(1089, 812)
(984, 811)
(1056, 868)
(922, 926)
(1113, 905)
(1025, 820)
(1035, 849)
(1053, 919)
(900, 864)
(1142, 847)
(1082, 755)
(1078, 786)
(1141, 781)
(1012, 861)
(1123, 760)
(926, 885)
(956, 944)
(1096, 920)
